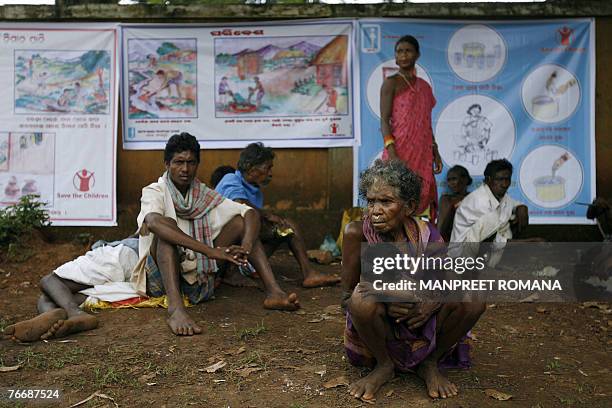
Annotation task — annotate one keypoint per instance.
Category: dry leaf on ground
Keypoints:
(95, 394)
(336, 382)
(597, 305)
(241, 350)
(146, 377)
(245, 372)
(4, 369)
(333, 310)
(498, 395)
(320, 318)
(215, 367)
(321, 372)
(531, 298)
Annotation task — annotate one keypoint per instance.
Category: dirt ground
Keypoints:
(543, 355)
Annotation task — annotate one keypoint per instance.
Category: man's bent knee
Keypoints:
(364, 307)
(46, 280)
(234, 227)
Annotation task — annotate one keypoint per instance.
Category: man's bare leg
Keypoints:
(370, 321)
(167, 260)
(312, 278)
(453, 322)
(276, 298)
(64, 294)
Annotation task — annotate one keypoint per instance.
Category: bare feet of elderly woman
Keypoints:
(366, 388)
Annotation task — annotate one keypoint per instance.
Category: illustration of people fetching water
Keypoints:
(474, 136)
(70, 82)
(258, 91)
(224, 92)
(282, 76)
(238, 104)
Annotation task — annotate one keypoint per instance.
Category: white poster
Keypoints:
(58, 119)
(284, 84)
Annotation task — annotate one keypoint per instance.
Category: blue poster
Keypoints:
(517, 90)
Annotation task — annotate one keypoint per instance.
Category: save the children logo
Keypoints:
(565, 35)
(334, 128)
(84, 180)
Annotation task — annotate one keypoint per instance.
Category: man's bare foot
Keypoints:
(181, 324)
(316, 279)
(77, 323)
(367, 387)
(31, 330)
(438, 386)
(280, 301)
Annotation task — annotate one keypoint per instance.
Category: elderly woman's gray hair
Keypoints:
(395, 174)
(254, 155)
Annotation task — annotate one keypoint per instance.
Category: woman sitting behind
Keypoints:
(458, 179)
(402, 336)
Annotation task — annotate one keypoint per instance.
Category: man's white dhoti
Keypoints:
(107, 269)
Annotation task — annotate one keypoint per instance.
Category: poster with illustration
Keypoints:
(303, 76)
(284, 84)
(522, 91)
(162, 78)
(69, 82)
(59, 119)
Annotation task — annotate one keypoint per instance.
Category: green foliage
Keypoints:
(247, 332)
(95, 59)
(19, 219)
(107, 375)
(166, 48)
(225, 58)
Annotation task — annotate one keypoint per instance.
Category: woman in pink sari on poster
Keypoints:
(406, 102)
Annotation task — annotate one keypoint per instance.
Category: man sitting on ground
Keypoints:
(185, 228)
(244, 186)
(489, 214)
(103, 272)
(205, 230)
